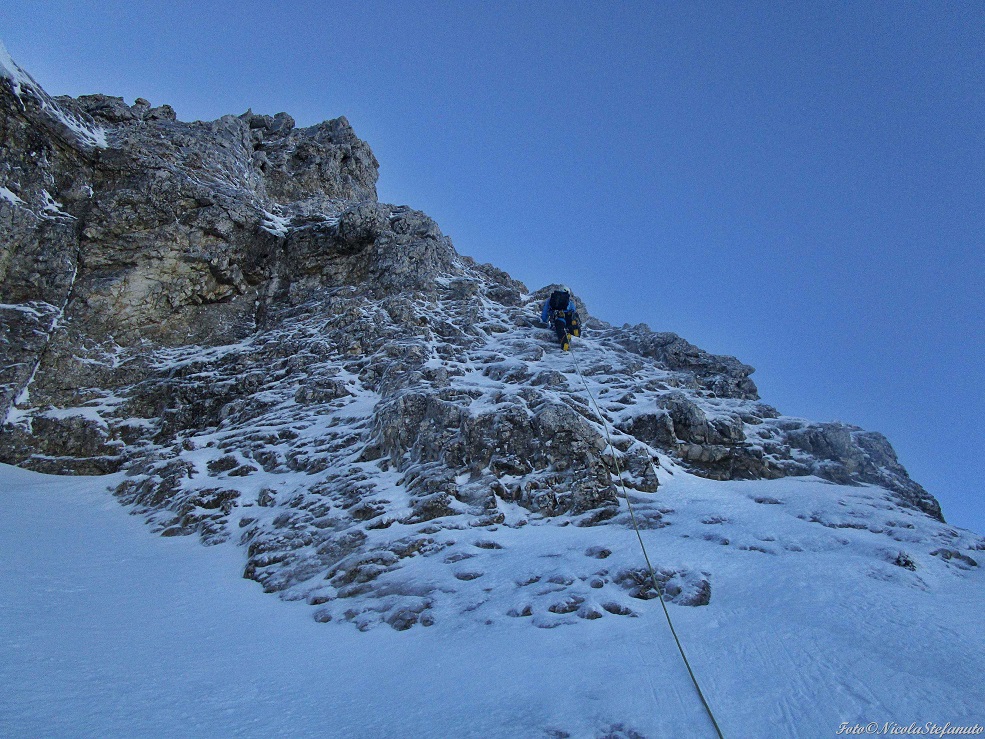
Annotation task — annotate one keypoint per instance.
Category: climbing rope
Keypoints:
(653, 576)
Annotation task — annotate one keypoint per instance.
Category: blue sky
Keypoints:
(796, 184)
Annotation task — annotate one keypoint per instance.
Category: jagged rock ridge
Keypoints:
(224, 311)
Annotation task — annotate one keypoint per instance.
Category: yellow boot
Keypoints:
(566, 344)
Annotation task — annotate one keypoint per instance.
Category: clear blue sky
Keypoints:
(796, 184)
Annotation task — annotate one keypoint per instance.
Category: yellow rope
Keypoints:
(653, 576)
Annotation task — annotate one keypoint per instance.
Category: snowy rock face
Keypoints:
(224, 310)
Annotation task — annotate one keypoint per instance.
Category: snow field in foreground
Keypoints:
(108, 630)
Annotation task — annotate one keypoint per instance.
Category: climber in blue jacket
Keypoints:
(560, 312)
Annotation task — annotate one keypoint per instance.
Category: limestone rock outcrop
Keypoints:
(224, 311)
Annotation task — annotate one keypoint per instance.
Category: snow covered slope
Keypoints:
(106, 630)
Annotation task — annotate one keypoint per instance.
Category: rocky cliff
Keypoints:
(224, 312)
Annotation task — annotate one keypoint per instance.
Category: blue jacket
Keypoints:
(545, 312)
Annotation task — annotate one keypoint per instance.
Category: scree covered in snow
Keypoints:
(108, 630)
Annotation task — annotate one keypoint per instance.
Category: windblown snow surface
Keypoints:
(109, 630)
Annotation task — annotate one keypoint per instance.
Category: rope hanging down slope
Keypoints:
(653, 576)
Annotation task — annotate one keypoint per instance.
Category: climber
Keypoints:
(560, 312)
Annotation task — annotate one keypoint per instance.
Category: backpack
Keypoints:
(559, 300)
